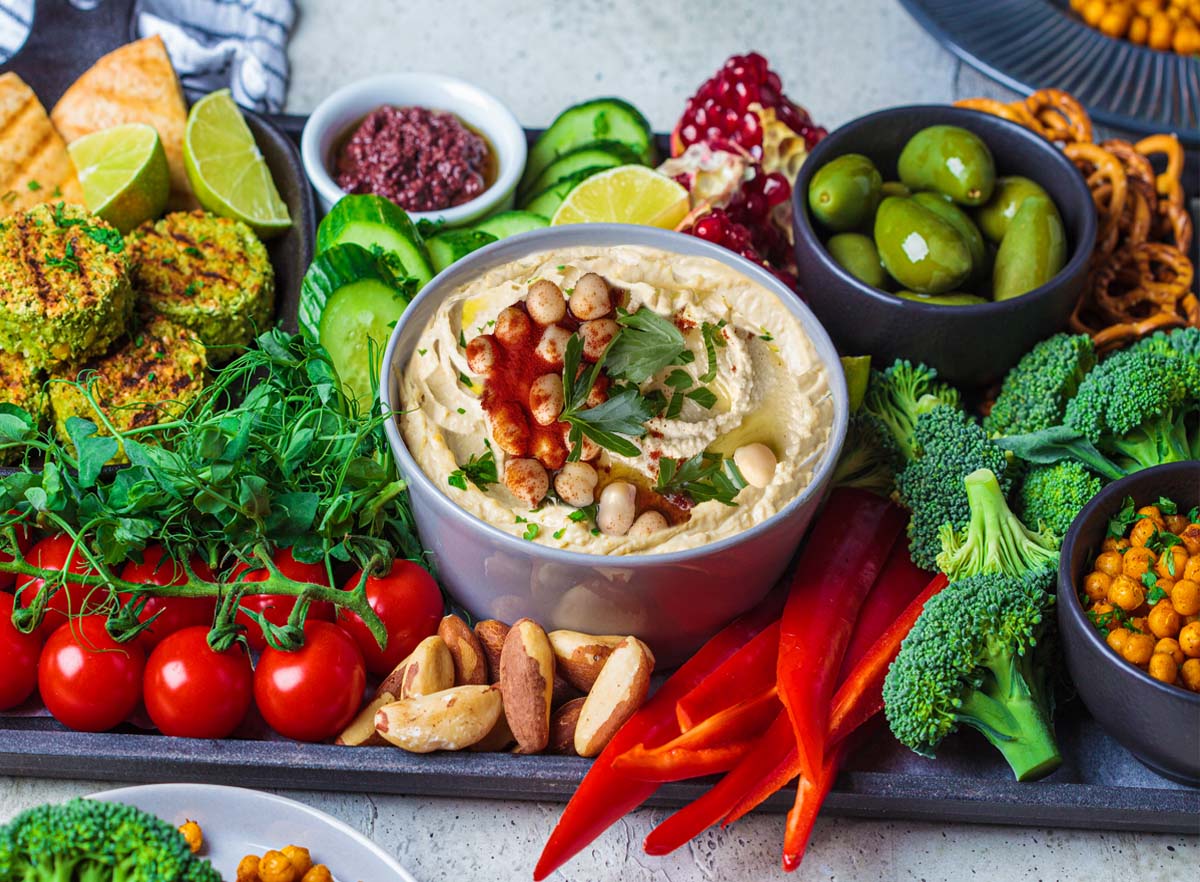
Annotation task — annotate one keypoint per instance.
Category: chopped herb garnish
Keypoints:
(674, 407)
(167, 261)
(558, 534)
(1167, 506)
(150, 377)
(680, 380)
(521, 520)
(193, 251)
(561, 267)
(703, 396)
(1194, 514)
(647, 344)
(531, 532)
(464, 379)
(422, 351)
(139, 340)
(713, 340)
(624, 413)
(703, 477)
(10, 196)
(1119, 523)
(67, 262)
(766, 335)
(34, 186)
(462, 410)
(587, 513)
(462, 341)
(479, 470)
(191, 289)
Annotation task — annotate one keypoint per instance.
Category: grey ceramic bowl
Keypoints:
(969, 345)
(1156, 722)
(672, 601)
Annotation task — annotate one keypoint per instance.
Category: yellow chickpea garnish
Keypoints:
(247, 869)
(300, 858)
(193, 835)
(1143, 531)
(1163, 620)
(275, 867)
(1189, 639)
(1172, 562)
(1116, 639)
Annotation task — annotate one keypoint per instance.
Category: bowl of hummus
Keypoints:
(612, 429)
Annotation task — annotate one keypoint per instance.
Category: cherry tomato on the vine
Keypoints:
(313, 693)
(409, 604)
(275, 608)
(73, 598)
(18, 658)
(88, 681)
(193, 692)
(177, 612)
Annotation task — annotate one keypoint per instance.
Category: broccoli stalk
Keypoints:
(994, 541)
(976, 657)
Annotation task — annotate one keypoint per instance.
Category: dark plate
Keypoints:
(1034, 44)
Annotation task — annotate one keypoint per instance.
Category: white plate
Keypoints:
(237, 822)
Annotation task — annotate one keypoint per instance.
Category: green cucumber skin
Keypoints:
(599, 154)
(366, 220)
(596, 120)
(547, 201)
(337, 267)
(356, 346)
(510, 223)
(445, 248)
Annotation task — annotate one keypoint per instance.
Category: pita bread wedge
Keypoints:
(133, 84)
(34, 164)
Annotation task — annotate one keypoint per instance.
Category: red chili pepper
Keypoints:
(605, 795)
(750, 672)
(839, 564)
(714, 745)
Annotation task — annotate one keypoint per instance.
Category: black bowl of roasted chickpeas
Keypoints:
(1129, 614)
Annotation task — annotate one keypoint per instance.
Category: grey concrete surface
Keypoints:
(841, 60)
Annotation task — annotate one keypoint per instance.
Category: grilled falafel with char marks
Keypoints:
(207, 273)
(149, 378)
(23, 386)
(65, 292)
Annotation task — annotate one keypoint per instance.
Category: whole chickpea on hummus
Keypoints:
(622, 400)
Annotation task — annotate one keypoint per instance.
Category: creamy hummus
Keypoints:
(770, 388)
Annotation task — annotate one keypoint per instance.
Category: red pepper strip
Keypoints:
(840, 562)
(702, 813)
(804, 813)
(715, 745)
(605, 796)
(860, 696)
(750, 672)
(893, 590)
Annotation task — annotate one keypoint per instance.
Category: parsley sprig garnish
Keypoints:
(703, 477)
(479, 470)
(647, 344)
(67, 262)
(624, 413)
(109, 237)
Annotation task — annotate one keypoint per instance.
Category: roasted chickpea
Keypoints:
(616, 511)
(1114, 543)
(545, 302)
(527, 480)
(596, 335)
(300, 858)
(548, 448)
(1189, 639)
(275, 867)
(193, 835)
(1185, 597)
(756, 462)
(1126, 593)
(1162, 667)
(1139, 29)
(1137, 651)
(1096, 585)
(1171, 562)
(247, 869)
(553, 345)
(576, 484)
(1093, 11)
(546, 398)
(1137, 561)
(481, 354)
(589, 449)
(1101, 608)
(1191, 538)
(591, 298)
(1138, 623)
(1143, 531)
(513, 327)
(1170, 646)
(647, 524)
(1176, 523)
(510, 428)
(1191, 571)
(1110, 563)
(1115, 20)
(319, 873)
(1154, 513)
(1189, 673)
(1117, 638)
(1163, 620)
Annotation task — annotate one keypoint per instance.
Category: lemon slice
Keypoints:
(627, 194)
(124, 174)
(227, 172)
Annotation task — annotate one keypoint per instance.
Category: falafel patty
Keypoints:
(21, 385)
(149, 378)
(65, 292)
(207, 273)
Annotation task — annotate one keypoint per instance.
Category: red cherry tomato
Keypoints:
(20, 658)
(313, 693)
(408, 602)
(275, 608)
(74, 597)
(177, 612)
(24, 542)
(88, 681)
(191, 691)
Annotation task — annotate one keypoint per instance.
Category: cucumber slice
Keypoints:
(602, 119)
(452, 245)
(369, 221)
(350, 300)
(601, 154)
(509, 223)
(547, 201)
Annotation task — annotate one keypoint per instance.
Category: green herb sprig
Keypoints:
(703, 477)
(479, 470)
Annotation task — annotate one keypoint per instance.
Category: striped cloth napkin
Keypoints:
(241, 44)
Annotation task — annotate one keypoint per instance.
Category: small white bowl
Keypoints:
(347, 106)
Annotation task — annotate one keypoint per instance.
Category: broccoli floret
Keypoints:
(1138, 406)
(995, 540)
(1051, 496)
(948, 446)
(870, 457)
(899, 394)
(89, 841)
(1180, 342)
(977, 656)
(1035, 393)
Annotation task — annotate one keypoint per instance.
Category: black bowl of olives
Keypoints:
(941, 235)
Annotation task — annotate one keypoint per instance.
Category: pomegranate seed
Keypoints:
(775, 189)
(773, 82)
(756, 206)
(750, 130)
(709, 229)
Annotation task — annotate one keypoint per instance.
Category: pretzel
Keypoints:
(1175, 223)
(1106, 178)
(1136, 165)
(1015, 112)
(1168, 183)
(1061, 117)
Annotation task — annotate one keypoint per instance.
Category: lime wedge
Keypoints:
(858, 375)
(124, 174)
(627, 194)
(227, 172)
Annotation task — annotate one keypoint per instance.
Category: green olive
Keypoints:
(894, 188)
(994, 217)
(957, 218)
(954, 298)
(844, 192)
(857, 255)
(952, 161)
(920, 250)
(1032, 251)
